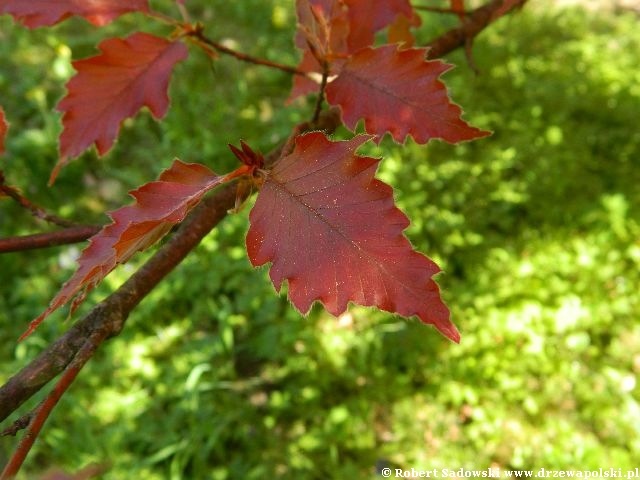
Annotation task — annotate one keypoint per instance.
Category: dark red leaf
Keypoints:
(3, 130)
(39, 13)
(399, 92)
(333, 232)
(366, 17)
(110, 87)
(159, 206)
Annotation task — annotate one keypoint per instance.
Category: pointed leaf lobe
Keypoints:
(332, 231)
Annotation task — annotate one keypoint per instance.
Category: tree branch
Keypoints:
(113, 311)
(472, 25)
(49, 239)
(36, 211)
(199, 36)
(43, 411)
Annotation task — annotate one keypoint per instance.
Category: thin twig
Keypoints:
(183, 12)
(49, 239)
(472, 25)
(113, 311)
(110, 315)
(323, 86)
(200, 36)
(36, 211)
(43, 411)
(20, 424)
(163, 18)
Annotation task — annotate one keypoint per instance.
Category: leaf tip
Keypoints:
(247, 155)
(56, 170)
(34, 324)
(450, 331)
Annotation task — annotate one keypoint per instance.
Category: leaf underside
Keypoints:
(332, 231)
(159, 206)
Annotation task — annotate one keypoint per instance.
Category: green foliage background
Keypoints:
(537, 229)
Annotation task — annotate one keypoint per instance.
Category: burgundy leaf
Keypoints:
(159, 206)
(399, 92)
(110, 87)
(334, 233)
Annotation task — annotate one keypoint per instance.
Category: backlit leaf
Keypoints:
(110, 87)
(159, 206)
(333, 232)
(39, 13)
(399, 92)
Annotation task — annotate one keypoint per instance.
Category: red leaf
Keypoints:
(366, 17)
(324, 24)
(3, 130)
(323, 27)
(113, 86)
(39, 13)
(159, 206)
(333, 232)
(458, 7)
(398, 91)
(400, 30)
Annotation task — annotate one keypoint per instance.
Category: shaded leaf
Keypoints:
(3, 130)
(110, 87)
(400, 30)
(399, 92)
(159, 206)
(332, 231)
(366, 17)
(39, 13)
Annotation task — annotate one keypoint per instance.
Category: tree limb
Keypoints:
(49, 239)
(113, 311)
(36, 211)
(472, 25)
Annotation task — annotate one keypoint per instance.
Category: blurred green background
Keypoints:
(537, 229)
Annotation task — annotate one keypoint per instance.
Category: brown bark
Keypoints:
(111, 314)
